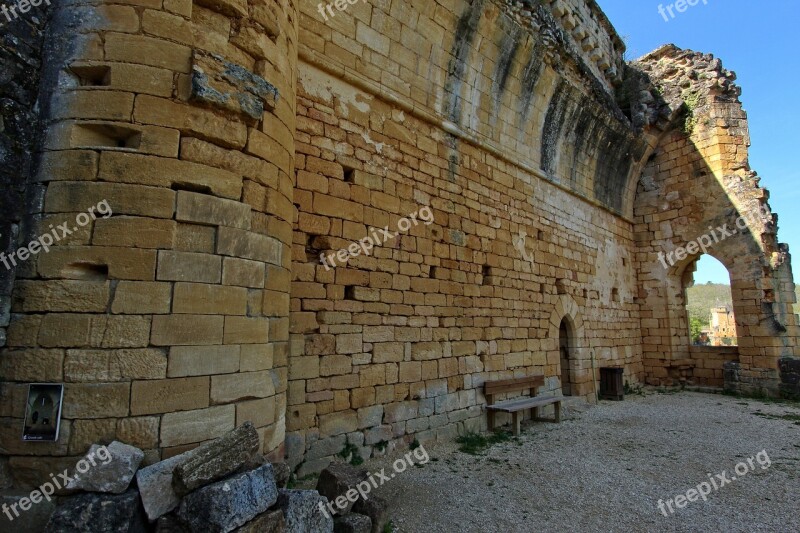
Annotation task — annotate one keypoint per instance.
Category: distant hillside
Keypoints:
(701, 298)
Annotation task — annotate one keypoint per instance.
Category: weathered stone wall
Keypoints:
(696, 182)
(506, 134)
(236, 141)
(168, 321)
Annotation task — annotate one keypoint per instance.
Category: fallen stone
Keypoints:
(336, 480)
(34, 519)
(269, 522)
(302, 511)
(225, 505)
(171, 524)
(106, 468)
(214, 460)
(155, 486)
(282, 474)
(376, 508)
(352, 523)
(94, 512)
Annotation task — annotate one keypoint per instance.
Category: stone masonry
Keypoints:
(238, 140)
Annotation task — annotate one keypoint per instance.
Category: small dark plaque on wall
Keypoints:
(43, 412)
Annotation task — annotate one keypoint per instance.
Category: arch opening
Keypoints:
(709, 303)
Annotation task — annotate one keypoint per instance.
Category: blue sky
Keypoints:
(757, 40)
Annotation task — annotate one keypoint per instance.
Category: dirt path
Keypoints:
(607, 469)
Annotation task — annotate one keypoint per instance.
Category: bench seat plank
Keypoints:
(520, 404)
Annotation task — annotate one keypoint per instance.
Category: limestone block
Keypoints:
(216, 459)
(230, 503)
(169, 395)
(133, 297)
(203, 360)
(187, 330)
(187, 266)
(204, 299)
(188, 427)
(232, 387)
(336, 480)
(99, 512)
(155, 485)
(301, 510)
(107, 469)
(269, 522)
(352, 523)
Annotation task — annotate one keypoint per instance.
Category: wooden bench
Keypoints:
(515, 406)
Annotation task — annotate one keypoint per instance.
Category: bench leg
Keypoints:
(490, 416)
(558, 412)
(516, 421)
(535, 413)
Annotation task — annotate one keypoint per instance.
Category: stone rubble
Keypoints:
(222, 486)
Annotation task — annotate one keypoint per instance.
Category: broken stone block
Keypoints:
(352, 523)
(214, 460)
(155, 486)
(34, 519)
(171, 524)
(303, 511)
(376, 508)
(225, 505)
(107, 468)
(282, 474)
(336, 480)
(229, 86)
(94, 512)
(269, 522)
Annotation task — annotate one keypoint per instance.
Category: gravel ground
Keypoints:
(606, 469)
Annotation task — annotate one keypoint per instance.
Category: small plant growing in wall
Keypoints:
(414, 444)
(351, 454)
(692, 101)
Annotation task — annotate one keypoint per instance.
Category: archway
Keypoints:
(566, 329)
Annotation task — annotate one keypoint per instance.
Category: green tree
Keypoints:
(696, 327)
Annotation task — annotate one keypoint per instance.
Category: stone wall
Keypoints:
(396, 344)
(168, 321)
(238, 141)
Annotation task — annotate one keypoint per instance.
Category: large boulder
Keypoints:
(155, 486)
(107, 468)
(216, 459)
(269, 522)
(376, 508)
(93, 512)
(225, 505)
(336, 480)
(352, 523)
(304, 511)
